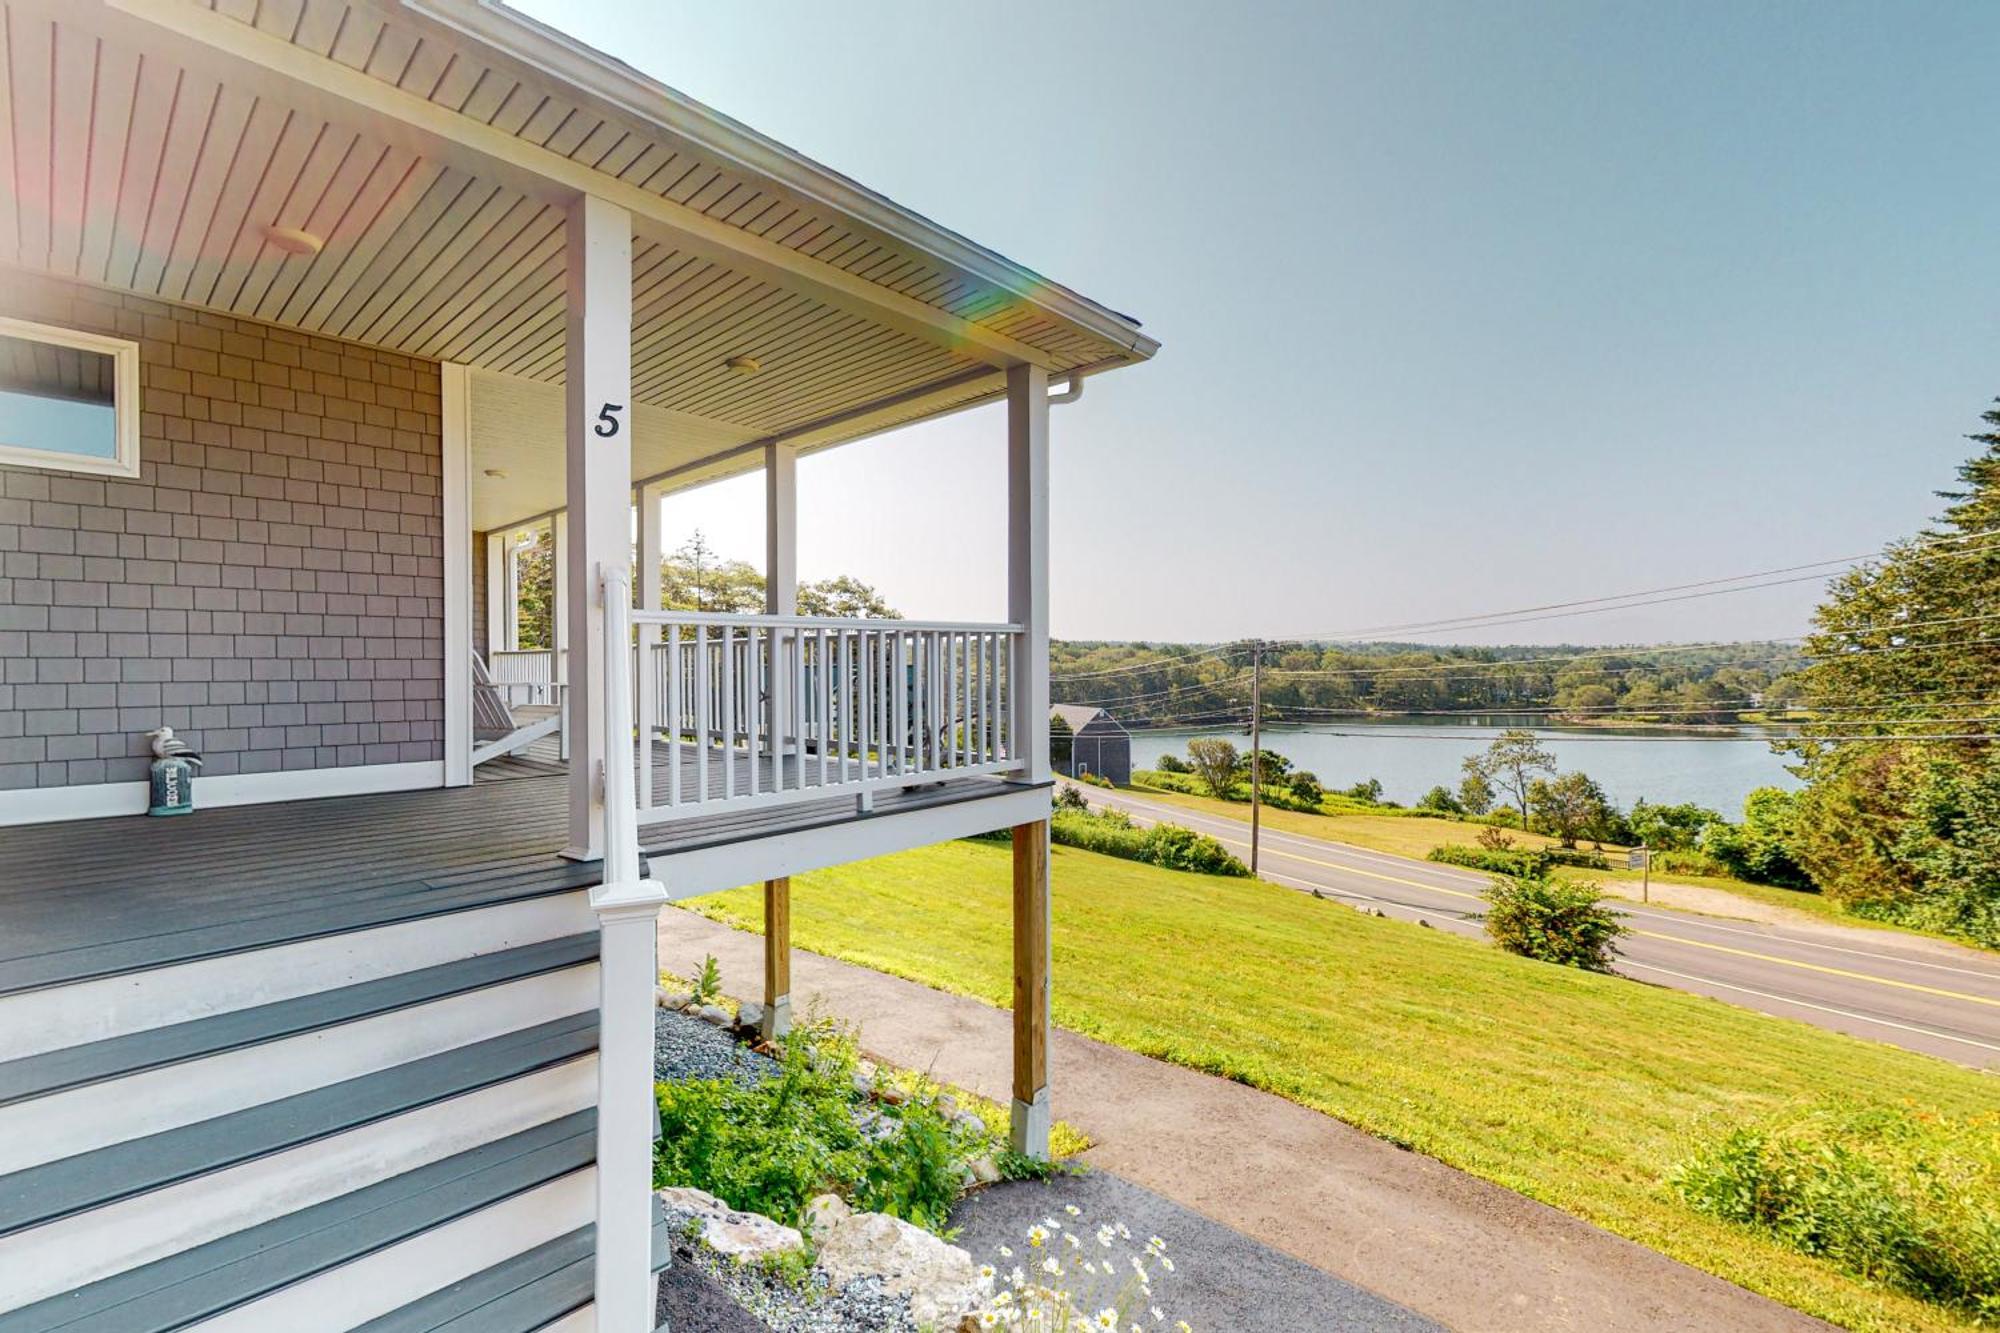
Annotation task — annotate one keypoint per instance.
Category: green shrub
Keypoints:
(1553, 919)
(1069, 798)
(1165, 779)
(1893, 1195)
(1689, 862)
(1517, 861)
(1173, 763)
(1097, 780)
(771, 1147)
(1111, 833)
(1178, 848)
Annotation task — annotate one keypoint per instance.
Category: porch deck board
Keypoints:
(99, 897)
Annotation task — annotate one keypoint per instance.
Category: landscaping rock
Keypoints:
(714, 1013)
(984, 1170)
(739, 1236)
(750, 1016)
(940, 1280)
(669, 999)
(946, 1105)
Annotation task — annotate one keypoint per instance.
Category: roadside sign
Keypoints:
(1636, 859)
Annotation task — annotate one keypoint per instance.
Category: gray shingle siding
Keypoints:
(270, 586)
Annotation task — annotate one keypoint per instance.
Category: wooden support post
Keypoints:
(777, 957)
(1032, 961)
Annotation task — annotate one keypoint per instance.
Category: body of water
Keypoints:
(1412, 755)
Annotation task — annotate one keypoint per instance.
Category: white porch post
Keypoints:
(781, 598)
(559, 603)
(597, 556)
(497, 587)
(652, 551)
(781, 530)
(1028, 739)
(1028, 566)
(455, 387)
(594, 528)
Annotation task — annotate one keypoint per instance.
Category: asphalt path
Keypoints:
(1921, 994)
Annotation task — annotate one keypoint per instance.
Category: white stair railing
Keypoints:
(628, 910)
(743, 710)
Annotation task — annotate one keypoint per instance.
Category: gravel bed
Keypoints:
(685, 1047)
(767, 1302)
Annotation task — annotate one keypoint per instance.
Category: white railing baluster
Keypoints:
(700, 704)
(649, 717)
(822, 700)
(673, 651)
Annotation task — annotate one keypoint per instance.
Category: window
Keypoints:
(68, 400)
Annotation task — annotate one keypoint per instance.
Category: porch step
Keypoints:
(117, 1057)
(79, 1013)
(287, 1257)
(71, 1222)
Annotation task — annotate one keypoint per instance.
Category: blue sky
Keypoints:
(1465, 306)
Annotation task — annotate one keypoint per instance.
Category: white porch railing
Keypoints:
(528, 676)
(759, 710)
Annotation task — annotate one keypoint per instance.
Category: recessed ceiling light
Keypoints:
(497, 473)
(744, 365)
(294, 240)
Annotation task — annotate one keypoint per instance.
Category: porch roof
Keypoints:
(432, 147)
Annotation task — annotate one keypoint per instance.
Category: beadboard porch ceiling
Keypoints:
(432, 146)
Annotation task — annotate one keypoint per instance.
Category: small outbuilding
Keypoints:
(1098, 743)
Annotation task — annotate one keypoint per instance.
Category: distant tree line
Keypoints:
(1154, 684)
(694, 578)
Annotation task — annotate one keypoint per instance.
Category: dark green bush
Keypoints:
(1894, 1195)
(1553, 919)
(1517, 860)
(1172, 763)
(771, 1147)
(1178, 848)
(1111, 833)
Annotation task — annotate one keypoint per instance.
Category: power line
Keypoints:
(1491, 619)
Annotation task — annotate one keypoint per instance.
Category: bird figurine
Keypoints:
(166, 745)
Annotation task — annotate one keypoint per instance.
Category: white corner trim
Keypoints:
(455, 386)
(49, 805)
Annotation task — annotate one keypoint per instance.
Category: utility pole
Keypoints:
(1256, 745)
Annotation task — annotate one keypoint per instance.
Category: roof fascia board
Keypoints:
(618, 87)
(248, 58)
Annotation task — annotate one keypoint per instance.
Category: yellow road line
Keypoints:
(1821, 967)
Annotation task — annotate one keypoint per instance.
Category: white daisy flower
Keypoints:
(1072, 1210)
(1107, 1318)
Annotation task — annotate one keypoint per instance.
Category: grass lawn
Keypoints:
(1577, 1089)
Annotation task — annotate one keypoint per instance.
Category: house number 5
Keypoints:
(607, 420)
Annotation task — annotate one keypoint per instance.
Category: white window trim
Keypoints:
(125, 404)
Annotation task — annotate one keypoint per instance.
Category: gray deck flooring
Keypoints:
(98, 897)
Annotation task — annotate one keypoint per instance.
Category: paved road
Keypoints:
(1921, 994)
